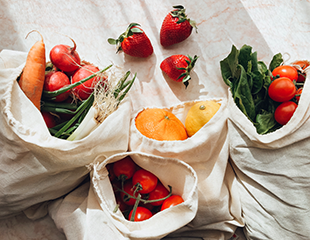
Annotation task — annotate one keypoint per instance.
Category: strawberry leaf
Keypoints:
(178, 7)
(112, 41)
(136, 30)
(185, 81)
(119, 49)
(181, 20)
(132, 25)
(183, 75)
(193, 24)
(186, 78)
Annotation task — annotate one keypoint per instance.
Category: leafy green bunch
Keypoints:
(249, 80)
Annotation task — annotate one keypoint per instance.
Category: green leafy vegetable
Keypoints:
(249, 80)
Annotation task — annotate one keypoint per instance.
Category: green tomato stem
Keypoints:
(145, 201)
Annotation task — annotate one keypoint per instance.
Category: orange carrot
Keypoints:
(32, 79)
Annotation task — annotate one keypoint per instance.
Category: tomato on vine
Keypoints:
(129, 190)
(171, 201)
(144, 179)
(110, 171)
(120, 202)
(282, 89)
(286, 71)
(284, 112)
(141, 214)
(124, 168)
(158, 193)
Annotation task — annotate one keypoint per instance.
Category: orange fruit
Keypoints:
(160, 124)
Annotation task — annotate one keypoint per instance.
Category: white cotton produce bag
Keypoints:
(207, 151)
(36, 167)
(90, 215)
(273, 172)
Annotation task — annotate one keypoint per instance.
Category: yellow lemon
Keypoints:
(199, 114)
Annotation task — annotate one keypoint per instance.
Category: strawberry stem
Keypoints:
(179, 12)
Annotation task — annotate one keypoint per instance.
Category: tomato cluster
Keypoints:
(286, 88)
(139, 193)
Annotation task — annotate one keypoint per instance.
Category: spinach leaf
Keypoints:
(243, 97)
(245, 56)
(229, 67)
(265, 122)
(258, 82)
(276, 61)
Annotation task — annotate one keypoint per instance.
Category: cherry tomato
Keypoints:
(300, 66)
(285, 71)
(171, 201)
(121, 204)
(284, 112)
(116, 185)
(141, 214)
(147, 180)
(159, 192)
(110, 171)
(129, 189)
(298, 93)
(149, 206)
(125, 167)
(282, 89)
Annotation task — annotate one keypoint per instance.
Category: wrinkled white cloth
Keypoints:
(207, 151)
(35, 166)
(273, 173)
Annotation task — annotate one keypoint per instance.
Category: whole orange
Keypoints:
(160, 124)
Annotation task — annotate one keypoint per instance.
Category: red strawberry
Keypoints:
(178, 67)
(176, 27)
(133, 42)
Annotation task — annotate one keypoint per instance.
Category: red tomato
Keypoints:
(149, 206)
(286, 71)
(141, 214)
(129, 189)
(116, 185)
(125, 167)
(111, 172)
(298, 93)
(159, 192)
(147, 180)
(281, 89)
(121, 204)
(300, 66)
(284, 112)
(171, 201)
(49, 119)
